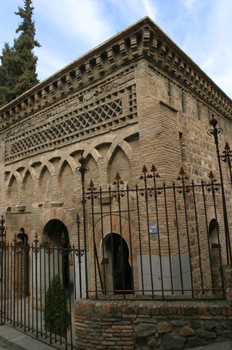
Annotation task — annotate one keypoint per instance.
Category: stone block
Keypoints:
(145, 330)
(186, 331)
(206, 334)
(172, 342)
(164, 327)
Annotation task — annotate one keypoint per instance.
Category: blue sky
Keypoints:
(67, 29)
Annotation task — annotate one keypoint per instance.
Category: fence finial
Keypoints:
(62, 241)
(211, 176)
(36, 238)
(182, 176)
(154, 174)
(118, 180)
(91, 186)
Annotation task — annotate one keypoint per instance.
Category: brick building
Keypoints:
(136, 99)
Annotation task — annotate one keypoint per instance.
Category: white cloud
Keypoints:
(49, 62)
(218, 51)
(189, 3)
(149, 8)
(80, 19)
(133, 10)
(79, 26)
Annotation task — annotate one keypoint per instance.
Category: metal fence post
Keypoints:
(215, 132)
(83, 169)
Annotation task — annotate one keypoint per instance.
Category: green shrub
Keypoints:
(57, 318)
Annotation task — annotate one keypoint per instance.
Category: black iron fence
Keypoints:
(156, 241)
(39, 285)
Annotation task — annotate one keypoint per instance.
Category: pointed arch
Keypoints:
(48, 165)
(118, 142)
(119, 163)
(29, 170)
(65, 180)
(13, 188)
(93, 172)
(45, 184)
(28, 186)
(17, 176)
(71, 162)
(97, 142)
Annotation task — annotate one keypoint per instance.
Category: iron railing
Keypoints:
(155, 241)
(39, 286)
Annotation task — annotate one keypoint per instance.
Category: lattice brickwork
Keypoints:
(117, 108)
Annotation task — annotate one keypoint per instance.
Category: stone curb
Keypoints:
(12, 339)
(227, 345)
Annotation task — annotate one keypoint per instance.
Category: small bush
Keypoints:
(57, 318)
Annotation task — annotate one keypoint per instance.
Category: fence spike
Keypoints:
(227, 148)
(182, 174)
(211, 176)
(153, 168)
(36, 238)
(144, 169)
(117, 177)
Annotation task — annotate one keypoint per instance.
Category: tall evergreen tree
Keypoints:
(18, 69)
(8, 74)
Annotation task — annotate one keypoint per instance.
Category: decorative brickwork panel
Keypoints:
(111, 111)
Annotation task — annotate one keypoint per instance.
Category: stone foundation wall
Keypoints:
(150, 325)
(143, 325)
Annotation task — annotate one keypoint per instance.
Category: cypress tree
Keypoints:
(57, 318)
(8, 74)
(18, 69)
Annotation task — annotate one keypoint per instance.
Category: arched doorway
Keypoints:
(215, 253)
(118, 269)
(54, 230)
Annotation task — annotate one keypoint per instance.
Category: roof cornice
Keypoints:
(144, 38)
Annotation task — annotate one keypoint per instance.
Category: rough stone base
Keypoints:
(150, 325)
